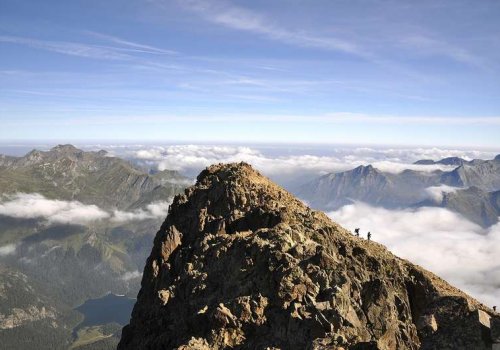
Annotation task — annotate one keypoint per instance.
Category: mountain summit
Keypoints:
(241, 263)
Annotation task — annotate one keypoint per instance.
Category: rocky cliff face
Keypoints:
(241, 263)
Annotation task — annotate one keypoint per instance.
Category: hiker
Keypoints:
(495, 308)
(369, 235)
(356, 231)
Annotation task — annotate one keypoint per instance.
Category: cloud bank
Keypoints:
(444, 242)
(7, 249)
(155, 210)
(282, 163)
(130, 275)
(34, 206)
(436, 192)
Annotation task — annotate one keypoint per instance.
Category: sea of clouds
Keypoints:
(444, 242)
(289, 165)
(436, 192)
(276, 160)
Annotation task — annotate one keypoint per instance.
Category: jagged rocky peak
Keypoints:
(67, 148)
(366, 170)
(240, 263)
(68, 151)
(58, 151)
(102, 153)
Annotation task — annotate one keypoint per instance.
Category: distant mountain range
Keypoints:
(474, 193)
(83, 259)
(48, 267)
(68, 173)
(456, 161)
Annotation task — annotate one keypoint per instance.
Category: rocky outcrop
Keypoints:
(240, 263)
(21, 316)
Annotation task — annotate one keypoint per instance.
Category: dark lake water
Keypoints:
(110, 308)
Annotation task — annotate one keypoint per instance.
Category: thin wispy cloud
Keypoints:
(69, 48)
(93, 51)
(361, 44)
(308, 72)
(330, 118)
(429, 46)
(239, 18)
(419, 120)
(139, 47)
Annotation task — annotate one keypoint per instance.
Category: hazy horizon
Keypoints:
(408, 232)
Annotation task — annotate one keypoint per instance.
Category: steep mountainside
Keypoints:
(241, 263)
(409, 188)
(100, 251)
(485, 175)
(473, 203)
(370, 185)
(65, 263)
(36, 314)
(66, 172)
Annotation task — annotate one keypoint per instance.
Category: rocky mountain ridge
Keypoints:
(241, 263)
(473, 203)
(410, 188)
(367, 184)
(66, 172)
(457, 161)
(46, 267)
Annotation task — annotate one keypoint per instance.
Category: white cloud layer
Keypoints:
(447, 244)
(7, 249)
(130, 275)
(155, 210)
(34, 205)
(302, 164)
(436, 192)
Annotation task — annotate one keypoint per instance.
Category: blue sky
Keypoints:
(361, 72)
